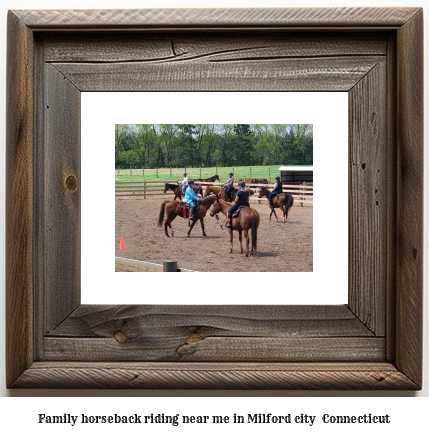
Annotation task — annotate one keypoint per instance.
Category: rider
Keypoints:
(229, 186)
(278, 189)
(191, 198)
(241, 199)
(184, 183)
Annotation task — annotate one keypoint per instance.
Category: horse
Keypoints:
(247, 219)
(244, 179)
(284, 201)
(178, 190)
(210, 179)
(262, 181)
(172, 208)
(219, 191)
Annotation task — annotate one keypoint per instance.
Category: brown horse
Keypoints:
(174, 208)
(284, 201)
(263, 181)
(220, 193)
(248, 219)
(210, 179)
(178, 190)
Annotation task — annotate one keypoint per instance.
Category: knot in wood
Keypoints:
(71, 183)
(120, 337)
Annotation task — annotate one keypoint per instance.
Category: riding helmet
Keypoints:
(190, 182)
(277, 178)
(242, 184)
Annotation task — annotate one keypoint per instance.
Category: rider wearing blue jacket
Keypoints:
(191, 198)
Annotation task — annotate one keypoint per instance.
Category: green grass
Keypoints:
(135, 175)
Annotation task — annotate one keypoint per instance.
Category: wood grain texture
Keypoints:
(214, 333)
(409, 266)
(61, 185)
(153, 347)
(224, 47)
(19, 200)
(368, 201)
(349, 347)
(290, 18)
(325, 74)
(248, 376)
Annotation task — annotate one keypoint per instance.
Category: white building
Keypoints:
(296, 175)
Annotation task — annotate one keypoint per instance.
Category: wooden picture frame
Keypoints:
(373, 342)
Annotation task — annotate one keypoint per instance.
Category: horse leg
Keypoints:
(230, 239)
(241, 240)
(168, 222)
(275, 215)
(246, 235)
(272, 210)
(192, 226)
(202, 226)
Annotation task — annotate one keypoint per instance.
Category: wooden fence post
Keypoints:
(156, 171)
(144, 189)
(170, 266)
(250, 168)
(200, 172)
(131, 171)
(303, 192)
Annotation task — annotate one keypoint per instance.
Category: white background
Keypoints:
(327, 111)
(21, 413)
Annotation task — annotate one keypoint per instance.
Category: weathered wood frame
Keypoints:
(374, 342)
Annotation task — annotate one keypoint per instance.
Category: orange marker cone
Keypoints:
(122, 244)
(283, 214)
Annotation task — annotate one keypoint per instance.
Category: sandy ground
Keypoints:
(281, 246)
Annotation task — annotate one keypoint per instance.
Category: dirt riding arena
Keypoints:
(281, 246)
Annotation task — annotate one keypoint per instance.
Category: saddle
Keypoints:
(185, 208)
(235, 214)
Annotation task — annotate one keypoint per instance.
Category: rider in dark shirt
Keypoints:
(229, 185)
(278, 189)
(241, 199)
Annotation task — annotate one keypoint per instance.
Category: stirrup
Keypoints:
(228, 224)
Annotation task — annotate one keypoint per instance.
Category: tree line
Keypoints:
(209, 145)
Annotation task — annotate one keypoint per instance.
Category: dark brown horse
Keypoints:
(173, 208)
(263, 181)
(178, 190)
(219, 191)
(248, 219)
(284, 201)
(210, 179)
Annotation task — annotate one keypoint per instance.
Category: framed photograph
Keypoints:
(285, 256)
(374, 341)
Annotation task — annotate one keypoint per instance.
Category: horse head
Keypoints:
(262, 192)
(207, 191)
(166, 188)
(216, 207)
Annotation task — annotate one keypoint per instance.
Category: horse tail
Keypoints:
(254, 228)
(161, 213)
(288, 204)
(200, 190)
